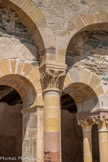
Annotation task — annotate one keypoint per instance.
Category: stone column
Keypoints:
(29, 135)
(103, 137)
(51, 81)
(86, 125)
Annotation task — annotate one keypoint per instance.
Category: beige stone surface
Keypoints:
(11, 48)
(15, 39)
(58, 12)
(40, 141)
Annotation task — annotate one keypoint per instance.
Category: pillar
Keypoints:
(52, 126)
(86, 125)
(103, 138)
(29, 140)
(51, 78)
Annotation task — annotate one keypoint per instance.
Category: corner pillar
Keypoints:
(39, 149)
(52, 78)
(29, 141)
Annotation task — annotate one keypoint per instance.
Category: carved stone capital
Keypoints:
(52, 76)
(86, 125)
(102, 123)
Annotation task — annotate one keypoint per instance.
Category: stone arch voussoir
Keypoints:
(76, 24)
(24, 78)
(35, 20)
(85, 77)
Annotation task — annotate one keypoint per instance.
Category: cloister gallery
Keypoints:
(54, 80)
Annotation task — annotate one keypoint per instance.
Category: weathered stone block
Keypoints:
(32, 133)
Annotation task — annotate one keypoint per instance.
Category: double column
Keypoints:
(51, 78)
(86, 124)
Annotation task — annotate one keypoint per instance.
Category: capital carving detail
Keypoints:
(52, 77)
(102, 122)
(86, 125)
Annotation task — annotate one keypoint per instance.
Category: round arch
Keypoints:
(83, 86)
(24, 78)
(75, 25)
(22, 85)
(84, 76)
(35, 20)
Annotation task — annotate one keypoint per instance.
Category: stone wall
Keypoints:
(89, 50)
(15, 39)
(58, 12)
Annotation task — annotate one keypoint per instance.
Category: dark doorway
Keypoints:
(10, 125)
(71, 133)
